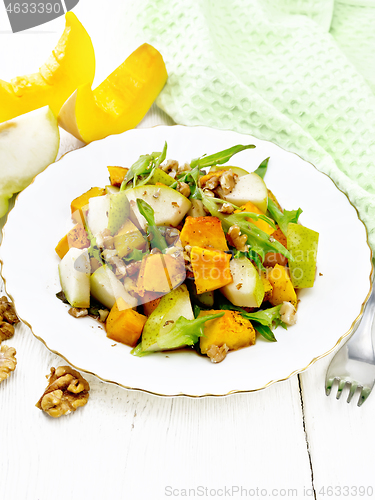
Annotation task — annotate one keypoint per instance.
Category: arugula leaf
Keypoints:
(191, 178)
(262, 169)
(185, 332)
(219, 158)
(93, 249)
(258, 240)
(262, 320)
(197, 310)
(61, 296)
(266, 317)
(283, 218)
(141, 166)
(145, 164)
(158, 240)
(162, 156)
(137, 351)
(265, 331)
(135, 254)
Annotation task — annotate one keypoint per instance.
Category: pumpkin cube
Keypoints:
(211, 269)
(282, 288)
(117, 175)
(268, 289)
(83, 200)
(261, 224)
(271, 258)
(231, 329)
(152, 276)
(150, 302)
(124, 324)
(206, 232)
(76, 238)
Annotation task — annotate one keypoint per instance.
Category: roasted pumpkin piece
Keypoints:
(282, 288)
(267, 287)
(261, 224)
(211, 269)
(150, 302)
(127, 238)
(175, 270)
(271, 258)
(76, 238)
(211, 175)
(117, 175)
(203, 232)
(152, 276)
(78, 203)
(231, 329)
(124, 324)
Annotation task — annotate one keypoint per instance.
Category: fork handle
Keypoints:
(361, 341)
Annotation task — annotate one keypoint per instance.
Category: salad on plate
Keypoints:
(197, 255)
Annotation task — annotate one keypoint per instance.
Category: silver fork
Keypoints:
(354, 363)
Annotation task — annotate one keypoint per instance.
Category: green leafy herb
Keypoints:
(265, 331)
(158, 240)
(95, 306)
(192, 178)
(185, 332)
(262, 320)
(258, 240)
(137, 351)
(283, 218)
(93, 249)
(262, 169)
(61, 296)
(145, 165)
(219, 158)
(197, 311)
(135, 254)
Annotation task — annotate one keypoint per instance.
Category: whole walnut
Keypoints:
(8, 361)
(67, 390)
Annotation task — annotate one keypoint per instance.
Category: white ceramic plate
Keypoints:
(326, 313)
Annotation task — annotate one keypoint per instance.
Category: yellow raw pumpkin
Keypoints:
(121, 100)
(71, 64)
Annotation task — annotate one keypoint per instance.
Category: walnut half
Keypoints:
(67, 390)
(8, 361)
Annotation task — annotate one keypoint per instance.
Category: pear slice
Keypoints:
(106, 288)
(109, 189)
(236, 170)
(74, 271)
(252, 188)
(302, 243)
(119, 210)
(98, 214)
(171, 306)
(246, 289)
(28, 144)
(169, 205)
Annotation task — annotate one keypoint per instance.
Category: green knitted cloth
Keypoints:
(300, 73)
